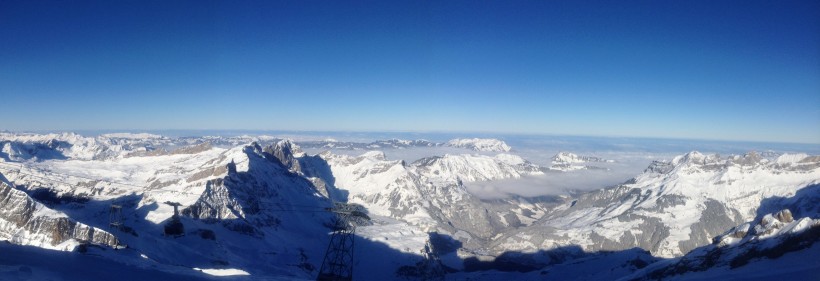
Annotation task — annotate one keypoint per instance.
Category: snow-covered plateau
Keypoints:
(247, 207)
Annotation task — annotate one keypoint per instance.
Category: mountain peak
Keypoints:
(693, 156)
(375, 154)
(477, 144)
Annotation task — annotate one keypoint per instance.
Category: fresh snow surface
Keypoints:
(222, 272)
(34, 264)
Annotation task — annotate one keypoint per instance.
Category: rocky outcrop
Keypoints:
(27, 222)
(250, 201)
(285, 151)
(773, 236)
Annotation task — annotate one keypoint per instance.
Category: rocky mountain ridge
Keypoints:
(271, 194)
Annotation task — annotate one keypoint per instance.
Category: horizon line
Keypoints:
(108, 131)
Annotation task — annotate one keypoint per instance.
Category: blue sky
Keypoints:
(744, 70)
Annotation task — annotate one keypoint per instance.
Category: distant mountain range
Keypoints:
(258, 205)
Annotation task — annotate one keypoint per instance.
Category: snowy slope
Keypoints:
(32, 263)
(240, 206)
(671, 208)
(576, 266)
(777, 246)
(430, 194)
(246, 208)
(256, 205)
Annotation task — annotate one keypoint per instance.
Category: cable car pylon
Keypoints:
(337, 264)
(115, 218)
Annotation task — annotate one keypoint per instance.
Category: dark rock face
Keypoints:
(784, 216)
(22, 212)
(713, 221)
(660, 167)
(284, 151)
(744, 252)
(650, 238)
(194, 149)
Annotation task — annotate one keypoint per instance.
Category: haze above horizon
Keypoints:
(728, 70)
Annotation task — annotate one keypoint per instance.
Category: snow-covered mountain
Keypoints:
(397, 143)
(257, 205)
(24, 221)
(566, 161)
(673, 207)
(749, 251)
(777, 246)
(571, 158)
(375, 145)
(430, 193)
(477, 144)
(229, 206)
(471, 168)
(22, 147)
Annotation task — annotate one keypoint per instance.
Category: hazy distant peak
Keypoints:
(378, 155)
(791, 158)
(751, 159)
(572, 158)
(477, 144)
(567, 161)
(131, 136)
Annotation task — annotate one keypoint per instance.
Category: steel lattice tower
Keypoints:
(338, 262)
(115, 218)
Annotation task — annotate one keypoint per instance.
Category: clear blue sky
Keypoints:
(744, 70)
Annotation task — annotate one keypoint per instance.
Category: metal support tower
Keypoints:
(338, 262)
(115, 218)
(174, 227)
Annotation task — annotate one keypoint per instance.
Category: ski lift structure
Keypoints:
(116, 221)
(337, 264)
(115, 217)
(174, 227)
